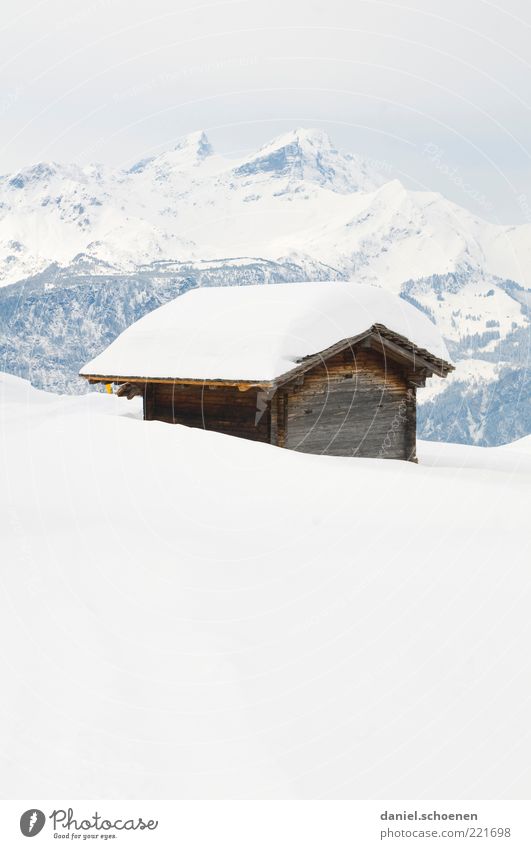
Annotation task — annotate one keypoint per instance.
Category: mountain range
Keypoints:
(86, 250)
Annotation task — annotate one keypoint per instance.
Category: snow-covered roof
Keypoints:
(256, 333)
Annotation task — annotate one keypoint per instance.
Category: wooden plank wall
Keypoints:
(226, 410)
(355, 405)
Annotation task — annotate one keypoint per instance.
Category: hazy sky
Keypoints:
(438, 92)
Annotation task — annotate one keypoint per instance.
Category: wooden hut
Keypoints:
(325, 368)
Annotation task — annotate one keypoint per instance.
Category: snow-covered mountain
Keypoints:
(296, 197)
(74, 237)
(185, 204)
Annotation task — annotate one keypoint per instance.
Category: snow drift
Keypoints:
(188, 615)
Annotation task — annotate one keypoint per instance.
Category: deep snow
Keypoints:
(257, 332)
(185, 614)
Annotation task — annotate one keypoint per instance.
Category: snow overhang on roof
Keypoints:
(257, 334)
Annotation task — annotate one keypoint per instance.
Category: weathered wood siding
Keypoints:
(357, 404)
(354, 405)
(224, 409)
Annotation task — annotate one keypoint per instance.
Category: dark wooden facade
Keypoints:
(226, 409)
(357, 398)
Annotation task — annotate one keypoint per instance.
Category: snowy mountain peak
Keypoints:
(33, 174)
(309, 155)
(196, 143)
(42, 174)
(305, 138)
(190, 151)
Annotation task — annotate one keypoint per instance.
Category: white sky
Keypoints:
(440, 93)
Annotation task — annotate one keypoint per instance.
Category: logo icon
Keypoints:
(31, 822)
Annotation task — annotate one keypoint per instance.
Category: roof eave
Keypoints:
(240, 384)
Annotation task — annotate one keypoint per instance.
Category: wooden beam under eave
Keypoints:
(242, 385)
